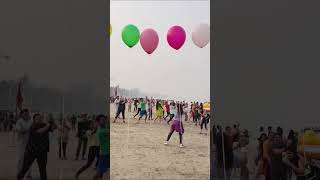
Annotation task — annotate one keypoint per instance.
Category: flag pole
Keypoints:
(223, 155)
(62, 131)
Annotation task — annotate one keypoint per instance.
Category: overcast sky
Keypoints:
(58, 43)
(182, 74)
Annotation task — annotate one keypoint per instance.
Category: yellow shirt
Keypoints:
(92, 138)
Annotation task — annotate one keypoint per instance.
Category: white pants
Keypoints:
(20, 156)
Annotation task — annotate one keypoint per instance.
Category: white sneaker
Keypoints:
(181, 146)
(165, 143)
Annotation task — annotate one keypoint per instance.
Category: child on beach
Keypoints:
(177, 125)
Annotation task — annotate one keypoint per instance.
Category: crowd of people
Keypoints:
(32, 141)
(167, 111)
(276, 156)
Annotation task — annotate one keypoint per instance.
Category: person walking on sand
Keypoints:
(22, 128)
(177, 126)
(93, 144)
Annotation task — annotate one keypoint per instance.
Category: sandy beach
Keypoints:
(138, 152)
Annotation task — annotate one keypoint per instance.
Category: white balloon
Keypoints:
(201, 35)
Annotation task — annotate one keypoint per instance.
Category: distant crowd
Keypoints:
(32, 140)
(276, 155)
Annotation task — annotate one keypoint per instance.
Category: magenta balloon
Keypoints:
(176, 37)
(149, 40)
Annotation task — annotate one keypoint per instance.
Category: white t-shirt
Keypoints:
(22, 129)
(172, 110)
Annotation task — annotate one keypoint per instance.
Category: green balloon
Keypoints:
(130, 35)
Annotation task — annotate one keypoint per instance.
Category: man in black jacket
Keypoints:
(37, 147)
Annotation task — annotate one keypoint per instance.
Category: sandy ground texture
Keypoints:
(138, 152)
(56, 168)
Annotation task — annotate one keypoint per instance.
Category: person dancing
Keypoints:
(159, 111)
(93, 147)
(177, 126)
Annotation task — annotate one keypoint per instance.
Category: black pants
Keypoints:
(139, 109)
(150, 115)
(278, 171)
(93, 153)
(29, 157)
(120, 111)
(168, 114)
(82, 142)
(170, 134)
(62, 146)
(196, 118)
(171, 117)
(204, 122)
(146, 115)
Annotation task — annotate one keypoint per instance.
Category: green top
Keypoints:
(103, 135)
(143, 106)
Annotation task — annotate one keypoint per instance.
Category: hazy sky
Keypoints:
(182, 74)
(58, 43)
(267, 62)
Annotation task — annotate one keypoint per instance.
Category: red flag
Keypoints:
(19, 98)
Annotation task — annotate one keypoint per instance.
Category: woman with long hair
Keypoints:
(159, 112)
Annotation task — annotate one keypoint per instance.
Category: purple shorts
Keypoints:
(177, 126)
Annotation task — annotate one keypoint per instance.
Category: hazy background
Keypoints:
(267, 63)
(182, 74)
(59, 45)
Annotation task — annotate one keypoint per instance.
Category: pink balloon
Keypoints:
(149, 40)
(176, 37)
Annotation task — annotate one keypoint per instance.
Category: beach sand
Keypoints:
(138, 152)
